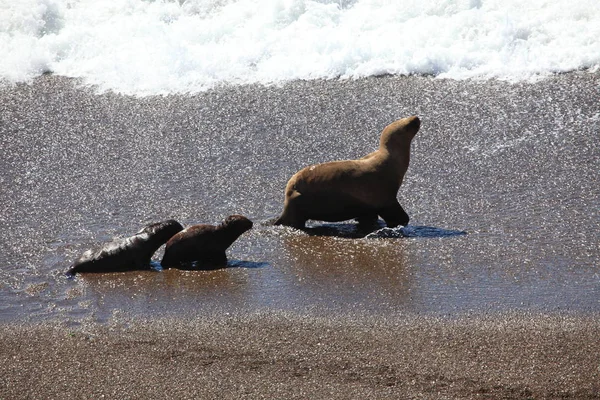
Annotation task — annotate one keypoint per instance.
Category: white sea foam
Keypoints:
(150, 47)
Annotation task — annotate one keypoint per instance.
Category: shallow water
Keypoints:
(515, 166)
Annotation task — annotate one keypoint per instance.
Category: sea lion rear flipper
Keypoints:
(368, 220)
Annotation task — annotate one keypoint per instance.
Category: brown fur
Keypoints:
(127, 254)
(362, 189)
(204, 245)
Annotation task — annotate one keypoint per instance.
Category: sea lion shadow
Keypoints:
(347, 230)
(195, 266)
(246, 264)
(350, 230)
(414, 231)
(153, 267)
(380, 231)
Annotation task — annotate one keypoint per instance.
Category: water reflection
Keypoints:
(350, 270)
(169, 291)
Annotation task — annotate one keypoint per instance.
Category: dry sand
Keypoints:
(278, 355)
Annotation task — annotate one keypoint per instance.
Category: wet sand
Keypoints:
(282, 356)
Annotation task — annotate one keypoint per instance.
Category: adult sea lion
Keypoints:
(362, 189)
(204, 245)
(131, 253)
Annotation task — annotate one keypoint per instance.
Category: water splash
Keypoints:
(411, 231)
(158, 47)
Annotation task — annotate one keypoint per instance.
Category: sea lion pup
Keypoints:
(361, 189)
(132, 253)
(204, 245)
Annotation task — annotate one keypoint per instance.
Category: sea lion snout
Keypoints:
(409, 125)
(238, 222)
(165, 230)
(414, 123)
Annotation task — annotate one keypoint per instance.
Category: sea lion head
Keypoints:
(162, 231)
(398, 135)
(237, 223)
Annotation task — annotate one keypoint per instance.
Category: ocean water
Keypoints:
(160, 47)
(252, 91)
(515, 165)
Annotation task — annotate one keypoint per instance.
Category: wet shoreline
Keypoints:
(511, 164)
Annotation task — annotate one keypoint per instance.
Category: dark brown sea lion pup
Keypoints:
(132, 253)
(204, 245)
(354, 189)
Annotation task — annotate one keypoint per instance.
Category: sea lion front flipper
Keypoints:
(291, 213)
(394, 215)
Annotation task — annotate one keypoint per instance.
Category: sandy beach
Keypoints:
(282, 356)
(507, 311)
